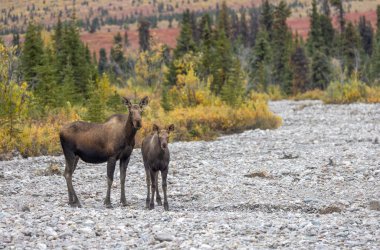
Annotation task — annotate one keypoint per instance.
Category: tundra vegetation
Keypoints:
(225, 67)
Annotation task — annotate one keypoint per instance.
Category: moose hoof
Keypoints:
(151, 206)
(123, 203)
(75, 204)
(166, 206)
(159, 202)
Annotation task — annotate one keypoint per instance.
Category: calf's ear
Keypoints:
(144, 102)
(171, 128)
(127, 102)
(156, 128)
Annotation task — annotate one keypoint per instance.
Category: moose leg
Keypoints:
(153, 187)
(164, 175)
(147, 178)
(158, 197)
(111, 163)
(123, 170)
(71, 162)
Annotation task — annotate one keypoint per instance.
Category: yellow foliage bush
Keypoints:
(315, 94)
(351, 91)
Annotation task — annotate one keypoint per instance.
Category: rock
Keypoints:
(25, 208)
(51, 232)
(374, 205)
(163, 236)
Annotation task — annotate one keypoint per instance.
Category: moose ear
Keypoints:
(144, 102)
(171, 128)
(155, 128)
(127, 102)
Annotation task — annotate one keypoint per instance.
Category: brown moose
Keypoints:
(156, 158)
(102, 142)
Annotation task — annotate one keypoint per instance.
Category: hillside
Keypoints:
(106, 18)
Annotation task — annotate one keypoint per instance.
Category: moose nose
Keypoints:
(164, 145)
(138, 124)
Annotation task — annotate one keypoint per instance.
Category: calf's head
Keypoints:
(163, 135)
(135, 111)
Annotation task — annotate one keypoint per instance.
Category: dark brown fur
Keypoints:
(156, 158)
(101, 142)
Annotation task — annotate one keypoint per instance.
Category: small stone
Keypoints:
(25, 208)
(374, 205)
(163, 236)
(51, 232)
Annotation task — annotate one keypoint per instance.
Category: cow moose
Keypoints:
(156, 158)
(108, 142)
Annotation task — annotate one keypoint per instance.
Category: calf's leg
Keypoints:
(123, 170)
(153, 188)
(158, 197)
(147, 178)
(164, 175)
(111, 163)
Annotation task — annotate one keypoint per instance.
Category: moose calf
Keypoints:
(156, 158)
(102, 142)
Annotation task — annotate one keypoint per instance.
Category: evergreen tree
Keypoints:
(321, 71)
(327, 34)
(315, 34)
(300, 67)
(266, 20)
(144, 34)
(224, 22)
(207, 47)
(282, 43)
(96, 106)
(32, 54)
(261, 63)
(46, 89)
(69, 90)
(351, 52)
(103, 63)
(338, 4)
(254, 26)
(232, 91)
(366, 35)
(244, 30)
(222, 63)
(185, 42)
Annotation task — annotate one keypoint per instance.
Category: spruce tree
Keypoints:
(144, 34)
(351, 52)
(282, 43)
(254, 26)
(244, 33)
(261, 63)
(103, 62)
(366, 35)
(266, 20)
(224, 22)
(300, 68)
(32, 54)
(315, 34)
(46, 89)
(185, 42)
(233, 90)
(321, 71)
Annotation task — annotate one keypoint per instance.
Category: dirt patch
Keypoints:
(259, 174)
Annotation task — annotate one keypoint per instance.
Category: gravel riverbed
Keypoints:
(314, 183)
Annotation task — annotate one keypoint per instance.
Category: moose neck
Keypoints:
(130, 129)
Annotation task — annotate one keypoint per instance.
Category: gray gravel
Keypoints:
(313, 183)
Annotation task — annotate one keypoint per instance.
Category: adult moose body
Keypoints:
(102, 142)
